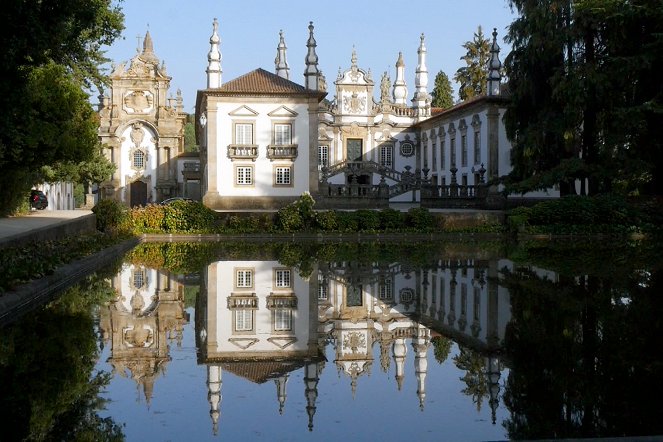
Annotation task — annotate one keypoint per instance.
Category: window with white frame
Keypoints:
(283, 319)
(387, 155)
(138, 159)
(283, 175)
(282, 134)
(463, 150)
(244, 175)
(243, 320)
(282, 278)
(323, 285)
(453, 152)
(323, 156)
(243, 133)
(386, 292)
(244, 278)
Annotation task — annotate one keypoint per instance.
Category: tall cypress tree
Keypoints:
(586, 97)
(473, 76)
(442, 93)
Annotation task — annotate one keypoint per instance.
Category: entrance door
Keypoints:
(354, 149)
(138, 191)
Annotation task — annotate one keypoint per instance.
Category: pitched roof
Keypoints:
(260, 81)
(262, 371)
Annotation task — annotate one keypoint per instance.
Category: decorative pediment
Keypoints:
(284, 342)
(283, 111)
(323, 135)
(243, 111)
(243, 343)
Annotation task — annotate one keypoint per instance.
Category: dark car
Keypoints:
(176, 198)
(38, 200)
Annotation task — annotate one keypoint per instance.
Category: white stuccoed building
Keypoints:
(266, 139)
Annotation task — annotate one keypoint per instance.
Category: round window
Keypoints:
(407, 148)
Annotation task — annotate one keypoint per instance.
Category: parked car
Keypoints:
(38, 200)
(173, 199)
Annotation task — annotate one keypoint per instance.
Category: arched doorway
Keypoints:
(138, 191)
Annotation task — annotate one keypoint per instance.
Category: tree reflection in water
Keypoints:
(584, 350)
(49, 390)
(564, 341)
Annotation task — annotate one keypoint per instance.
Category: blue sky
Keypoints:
(249, 32)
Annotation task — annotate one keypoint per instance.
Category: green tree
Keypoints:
(51, 51)
(442, 94)
(472, 77)
(190, 138)
(475, 379)
(585, 95)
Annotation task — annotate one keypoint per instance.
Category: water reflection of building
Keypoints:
(140, 323)
(261, 320)
(364, 305)
(257, 321)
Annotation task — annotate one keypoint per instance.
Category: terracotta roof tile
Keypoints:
(260, 81)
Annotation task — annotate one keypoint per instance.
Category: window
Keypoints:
(323, 156)
(283, 175)
(139, 159)
(463, 150)
(139, 279)
(434, 152)
(282, 278)
(282, 319)
(354, 148)
(387, 155)
(442, 154)
(282, 134)
(322, 288)
(477, 147)
(453, 152)
(425, 153)
(407, 148)
(354, 296)
(386, 290)
(243, 133)
(244, 278)
(243, 320)
(244, 175)
(406, 295)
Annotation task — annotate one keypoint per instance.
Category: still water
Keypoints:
(435, 341)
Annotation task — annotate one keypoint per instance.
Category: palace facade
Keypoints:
(266, 139)
(142, 130)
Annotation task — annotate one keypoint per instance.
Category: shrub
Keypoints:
(297, 215)
(188, 216)
(326, 220)
(368, 220)
(148, 219)
(111, 215)
(391, 219)
(420, 219)
(288, 218)
(347, 221)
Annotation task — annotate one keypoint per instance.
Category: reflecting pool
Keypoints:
(323, 341)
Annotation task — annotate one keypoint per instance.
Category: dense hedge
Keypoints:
(581, 214)
(299, 216)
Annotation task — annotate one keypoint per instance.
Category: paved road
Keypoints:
(39, 220)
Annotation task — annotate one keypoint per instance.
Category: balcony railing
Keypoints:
(282, 151)
(243, 152)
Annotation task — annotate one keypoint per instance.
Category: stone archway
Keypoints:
(138, 192)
